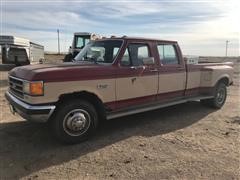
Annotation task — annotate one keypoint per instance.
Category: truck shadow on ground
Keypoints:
(27, 148)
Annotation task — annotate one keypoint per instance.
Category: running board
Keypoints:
(153, 107)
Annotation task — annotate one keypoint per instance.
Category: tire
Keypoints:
(68, 58)
(220, 95)
(74, 121)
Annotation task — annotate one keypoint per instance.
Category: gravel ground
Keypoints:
(187, 141)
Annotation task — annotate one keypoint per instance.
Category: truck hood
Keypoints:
(62, 72)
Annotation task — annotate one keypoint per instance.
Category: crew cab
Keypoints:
(111, 78)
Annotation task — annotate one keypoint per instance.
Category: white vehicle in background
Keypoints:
(19, 51)
(192, 59)
(80, 39)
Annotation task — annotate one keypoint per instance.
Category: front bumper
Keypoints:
(36, 113)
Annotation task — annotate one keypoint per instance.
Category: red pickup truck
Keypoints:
(111, 78)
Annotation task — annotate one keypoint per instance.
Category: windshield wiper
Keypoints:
(86, 59)
(90, 59)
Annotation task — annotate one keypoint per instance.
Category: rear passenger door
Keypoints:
(172, 73)
(136, 83)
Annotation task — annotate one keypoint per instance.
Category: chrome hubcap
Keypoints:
(76, 122)
(221, 95)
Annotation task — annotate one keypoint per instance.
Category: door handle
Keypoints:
(179, 68)
(153, 70)
(133, 67)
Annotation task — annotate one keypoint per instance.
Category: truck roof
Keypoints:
(140, 38)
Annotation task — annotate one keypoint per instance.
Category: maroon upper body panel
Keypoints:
(63, 72)
(75, 71)
(202, 66)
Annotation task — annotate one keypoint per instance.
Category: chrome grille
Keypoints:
(16, 86)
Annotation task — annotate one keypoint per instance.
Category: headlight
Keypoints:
(26, 87)
(33, 88)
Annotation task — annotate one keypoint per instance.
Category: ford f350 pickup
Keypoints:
(111, 78)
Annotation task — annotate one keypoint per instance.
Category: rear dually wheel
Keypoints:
(220, 95)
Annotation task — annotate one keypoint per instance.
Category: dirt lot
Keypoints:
(186, 141)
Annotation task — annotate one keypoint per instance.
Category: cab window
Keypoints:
(167, 54)
(115, 51)
(125, 59)
(134, 55)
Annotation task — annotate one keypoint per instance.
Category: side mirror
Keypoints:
(148, 61)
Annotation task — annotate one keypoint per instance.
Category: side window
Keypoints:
(126, 59)
(160, 52)
(134, 55)
(167, 54)
(143, 52)
(115, 51)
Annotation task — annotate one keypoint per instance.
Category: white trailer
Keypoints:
(20, 51)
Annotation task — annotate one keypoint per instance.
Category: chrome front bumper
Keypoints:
(36, 113)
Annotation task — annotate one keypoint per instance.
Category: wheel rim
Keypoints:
(76, 122)
(221, 94)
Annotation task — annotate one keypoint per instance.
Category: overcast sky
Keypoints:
(201, 27)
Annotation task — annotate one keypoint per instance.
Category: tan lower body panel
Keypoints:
(111, 90)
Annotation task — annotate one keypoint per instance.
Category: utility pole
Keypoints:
(227, 47)
(58, 42)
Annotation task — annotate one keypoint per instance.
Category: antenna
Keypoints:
(58, 41)
(227, 41)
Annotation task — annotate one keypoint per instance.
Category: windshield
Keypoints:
(81, 41)
(100, 51)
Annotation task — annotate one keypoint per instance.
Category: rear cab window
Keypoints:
(168, 54)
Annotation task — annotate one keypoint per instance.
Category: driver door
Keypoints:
(136, 83)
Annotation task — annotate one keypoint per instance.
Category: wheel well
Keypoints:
(87, 96)
(224, 80)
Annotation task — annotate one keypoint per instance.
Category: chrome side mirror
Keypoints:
(148, 61)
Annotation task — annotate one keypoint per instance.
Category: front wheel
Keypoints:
(220, 96)
(74, 121)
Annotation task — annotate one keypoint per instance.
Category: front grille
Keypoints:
(16, 86)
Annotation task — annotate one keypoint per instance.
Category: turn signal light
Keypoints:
(36, 88)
